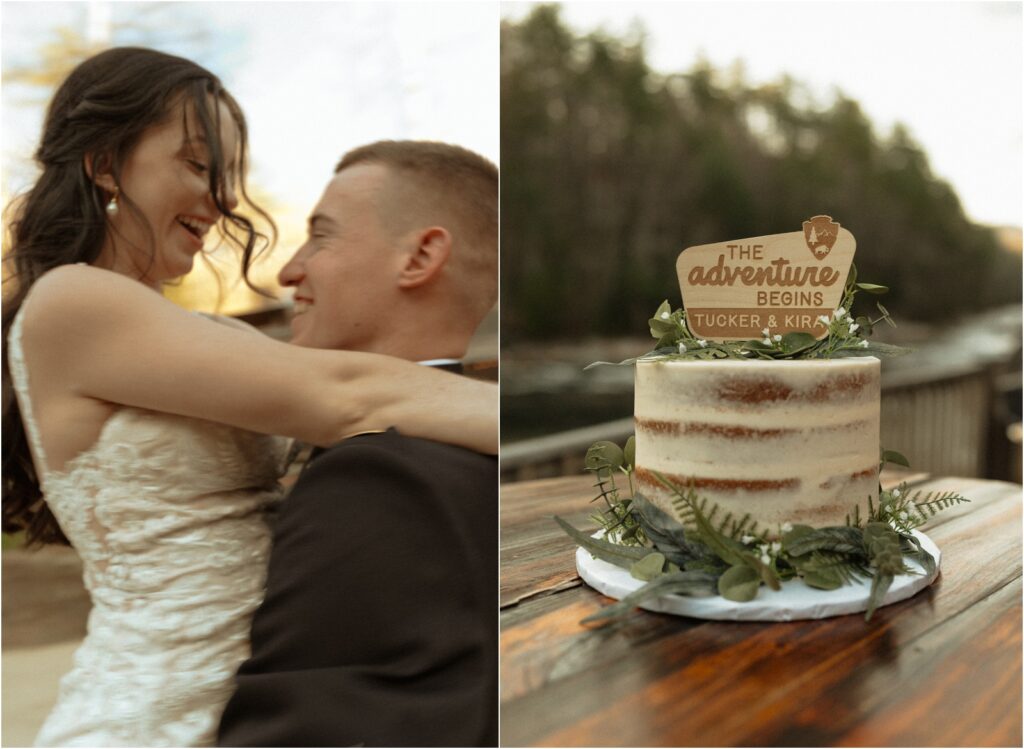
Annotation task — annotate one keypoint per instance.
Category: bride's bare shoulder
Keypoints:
(72, 299)
(68, 283)
(232, 322)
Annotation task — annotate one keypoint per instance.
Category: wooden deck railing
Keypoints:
(947, 421)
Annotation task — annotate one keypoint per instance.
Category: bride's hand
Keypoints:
(97, 334)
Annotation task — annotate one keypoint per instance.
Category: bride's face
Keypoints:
(167, 177)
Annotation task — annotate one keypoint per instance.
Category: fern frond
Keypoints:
(620, 520)
(728, 550)
(843, 566)
(936, 502)
(854, 522)
(742, 528)
(609, 494)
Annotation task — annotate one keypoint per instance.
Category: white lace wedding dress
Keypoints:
(168, 516)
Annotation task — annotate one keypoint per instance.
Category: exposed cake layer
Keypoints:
(786, 441)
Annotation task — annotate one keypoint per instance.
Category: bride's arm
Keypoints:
(108, 337)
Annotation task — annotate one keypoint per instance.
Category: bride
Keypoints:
(143, 434)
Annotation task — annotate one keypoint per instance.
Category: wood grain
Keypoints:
(942, 668)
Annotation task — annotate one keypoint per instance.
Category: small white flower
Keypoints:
(776, 337)
(702, 343)
(664, 315)
(682, 347)
(747, 539)
(839, 313)
(765, 559)
(787, 527)
(853, 327)
(904, 516)
(823, 319)
(896, 493)
(776, 547)
(864, 343)
(765, 331)
(767, 341)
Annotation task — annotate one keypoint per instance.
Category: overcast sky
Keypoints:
(316, 79)
(950, 71)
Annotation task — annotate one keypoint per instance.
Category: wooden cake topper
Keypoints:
(733, 290)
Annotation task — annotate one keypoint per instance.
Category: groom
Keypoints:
(379, 626)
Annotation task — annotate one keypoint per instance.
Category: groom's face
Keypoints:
(345, 275)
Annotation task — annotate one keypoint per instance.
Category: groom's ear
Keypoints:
(432, 248)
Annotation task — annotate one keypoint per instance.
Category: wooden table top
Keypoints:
(940, 669)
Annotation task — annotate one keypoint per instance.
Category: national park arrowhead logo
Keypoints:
(821, 233)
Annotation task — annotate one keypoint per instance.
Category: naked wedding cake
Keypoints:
(756, 432)
(786, 441)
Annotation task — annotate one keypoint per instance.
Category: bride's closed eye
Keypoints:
(197, 165)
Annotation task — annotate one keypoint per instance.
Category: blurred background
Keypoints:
(314, 80)
(632, 131)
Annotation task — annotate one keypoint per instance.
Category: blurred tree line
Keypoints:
(610, 169)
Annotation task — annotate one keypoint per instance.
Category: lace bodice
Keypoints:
(168, 516)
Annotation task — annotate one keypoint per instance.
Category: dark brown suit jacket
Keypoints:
(379, 626)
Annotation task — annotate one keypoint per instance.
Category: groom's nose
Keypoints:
(294, 270)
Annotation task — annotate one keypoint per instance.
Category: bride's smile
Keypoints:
(165, 208)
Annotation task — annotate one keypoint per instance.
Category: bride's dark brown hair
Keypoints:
(100, 112)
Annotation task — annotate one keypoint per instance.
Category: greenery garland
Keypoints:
(710, 552)
(847, 336)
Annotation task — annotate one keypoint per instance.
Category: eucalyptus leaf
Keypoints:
(629, 452)
(620, 556)
(710, 564)
(926, 560)
(793, 535)
(604, 454)
(677, 583)
(874, 348)
(883, 546)
(661, 328)
(739, 583)
(829, 570)
(648, 568)
(879, 587)
(873, 288)
(662, 322)
(891, 456)
(624, 362)
(825, 579)
(795, 342)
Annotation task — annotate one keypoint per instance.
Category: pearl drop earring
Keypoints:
(112, 207)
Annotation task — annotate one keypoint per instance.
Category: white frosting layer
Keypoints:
(786, 441)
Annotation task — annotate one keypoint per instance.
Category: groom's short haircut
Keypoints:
(445, 184)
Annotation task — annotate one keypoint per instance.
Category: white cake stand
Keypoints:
(792, 601)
